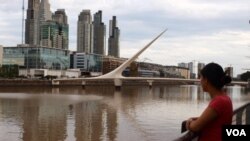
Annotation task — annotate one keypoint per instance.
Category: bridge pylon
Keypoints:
(116, 74)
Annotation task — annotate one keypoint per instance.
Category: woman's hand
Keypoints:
(188, 122)
(198, 124)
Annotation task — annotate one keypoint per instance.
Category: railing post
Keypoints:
(239, 117)
(118, 83)
(150, 83)
(248, 114)
(55, 83)
(83, 84)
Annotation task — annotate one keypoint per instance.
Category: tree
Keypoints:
(245, 76)
(9, 71)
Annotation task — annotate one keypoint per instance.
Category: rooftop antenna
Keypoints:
(23, 22)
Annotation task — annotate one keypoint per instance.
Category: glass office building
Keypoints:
(86, 62)
(37, 57)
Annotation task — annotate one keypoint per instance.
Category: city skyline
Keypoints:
(197, 30)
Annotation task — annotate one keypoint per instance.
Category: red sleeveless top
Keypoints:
(223, 106)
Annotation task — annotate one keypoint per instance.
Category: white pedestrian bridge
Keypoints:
(118, 79)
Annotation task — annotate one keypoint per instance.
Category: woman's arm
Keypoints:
(207, 116)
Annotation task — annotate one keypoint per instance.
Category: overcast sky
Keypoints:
(201, 30)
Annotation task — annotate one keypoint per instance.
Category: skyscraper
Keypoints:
(229, 71)
(44, 16)
(31, 23)
(54, 33)
(99, 34)
(62, 38)
(60, 17)
(200, 67)
(37, 13)
(113, 41)
(48, 32)
(44, 11)
(191, 67)
(85, 32)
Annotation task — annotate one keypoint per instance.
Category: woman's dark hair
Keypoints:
(215, 75)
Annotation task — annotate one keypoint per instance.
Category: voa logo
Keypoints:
(236, 132)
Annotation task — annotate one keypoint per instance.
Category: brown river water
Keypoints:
(102, 113)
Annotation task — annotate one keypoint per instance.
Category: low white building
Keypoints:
(32, 73)
(72, 73)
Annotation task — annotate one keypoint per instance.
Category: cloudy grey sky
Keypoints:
(201, 30)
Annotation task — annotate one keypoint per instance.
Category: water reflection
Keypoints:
(101, 113)
(43, 121)
(181, 93)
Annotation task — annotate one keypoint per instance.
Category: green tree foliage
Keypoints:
(9, 71)
(245, 76)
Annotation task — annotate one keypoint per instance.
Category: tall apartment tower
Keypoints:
(113, 41)
(191, 67)
(62, 38)
(44, 11)
(44, 15)
(60, 17)
(99, 34)
(200, 67)
(229, 71)
(48, 32)
(85, 32)
(31, 23)
(54, 33)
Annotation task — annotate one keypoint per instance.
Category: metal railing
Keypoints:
(241, 116)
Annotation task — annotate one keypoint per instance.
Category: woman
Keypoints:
(219, 111)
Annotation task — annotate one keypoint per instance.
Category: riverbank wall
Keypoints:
(28, 82)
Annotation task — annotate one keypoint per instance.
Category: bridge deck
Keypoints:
(143, 79)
